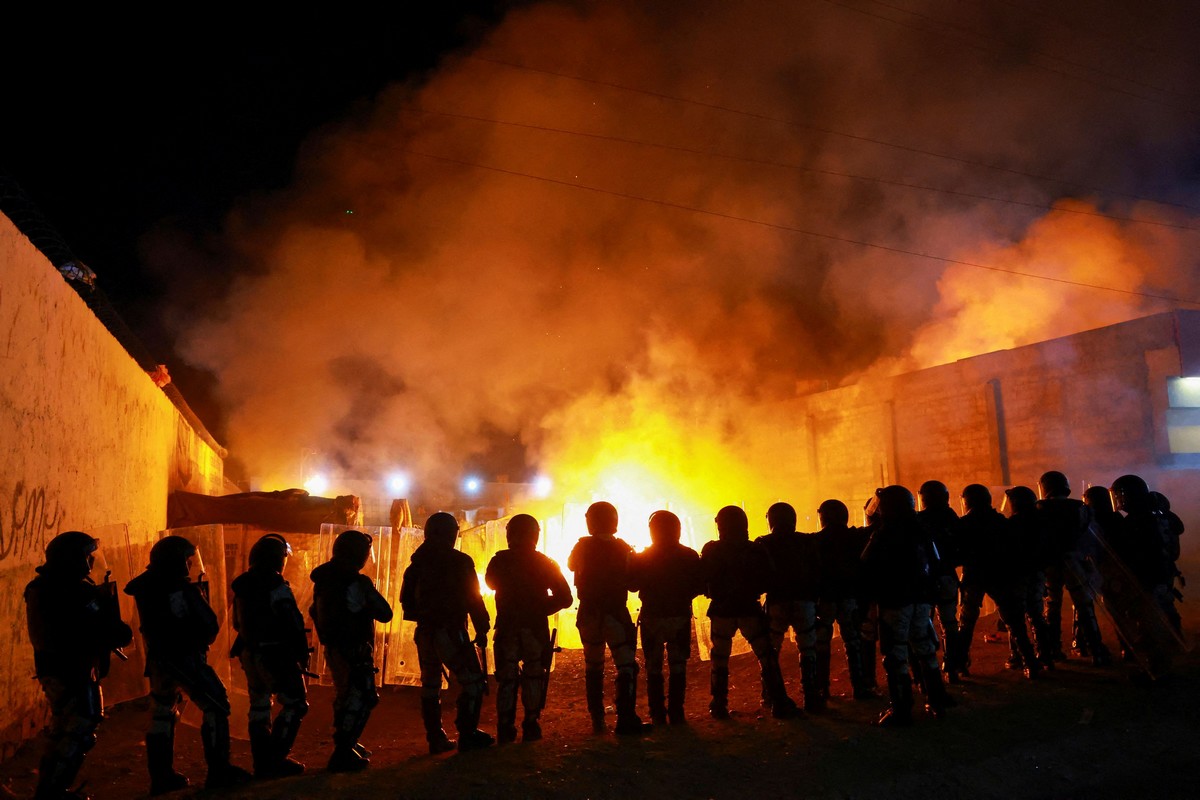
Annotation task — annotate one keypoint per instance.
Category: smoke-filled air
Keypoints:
(626, 234)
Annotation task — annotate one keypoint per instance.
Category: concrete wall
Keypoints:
(1092, 405)
(87, 441)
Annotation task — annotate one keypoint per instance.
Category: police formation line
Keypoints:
(882, 584)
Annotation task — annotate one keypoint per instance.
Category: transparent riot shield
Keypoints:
(1132, 610)
(126, 678)
(400, 666)
(379, 568)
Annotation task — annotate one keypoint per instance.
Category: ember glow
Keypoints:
(630, 264)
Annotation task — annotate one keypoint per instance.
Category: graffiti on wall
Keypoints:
(30, 519)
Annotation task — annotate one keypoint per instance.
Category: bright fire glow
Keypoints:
(317, 485)
(398, 484)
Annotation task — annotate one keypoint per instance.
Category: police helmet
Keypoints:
(732, 520)
(1022, 499)
(1098, 498)
(976, 495)
(781, 517)
(170, 555)
(833, 514)
(522, 532)
(1160, 501)
(934, 494)
(895, 501)
(353, 548)
(665, 527)
(1130, 492)
(601, 518)
(270, 552)
(1054, 484)
(441, 528)
(69, 553)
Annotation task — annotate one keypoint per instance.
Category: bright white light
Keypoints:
(398, 484)
(542, 486)
(472, 485)
(317, 485)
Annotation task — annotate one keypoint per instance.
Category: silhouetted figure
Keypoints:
(529, 588)
(1171, 542)
(793, 586)
(273, 648)
(1066, 526)
(1105, 523)
(942, 523)
(736, 574)
(838, 596)
(1029, 552)
(74, 625)
(601, 563)
(898, 562)
(666, 576)
(1144, 542)
(993, 565)
(344, 610)
(178, 626)
(440, 590)
(867, 614)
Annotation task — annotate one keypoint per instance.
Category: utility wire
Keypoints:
(801, 168)
(826, 131)
(793, 229)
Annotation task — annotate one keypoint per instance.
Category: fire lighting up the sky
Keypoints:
(626, 237)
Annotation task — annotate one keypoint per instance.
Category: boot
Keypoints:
(858, 682)
(868, 662)
(470, 704)
(435, 735)
(782, 706)
(821, 675)
(677, 691)
(506, 715)
(345, 758)
(283, 736)
(814, 700)
(899, 713)
(262, 750)
(160, 758)
(531, 729)
(628, 722)
(214, 734)
(593, 683)
(936, 698)
(656, 698)
(718, 681)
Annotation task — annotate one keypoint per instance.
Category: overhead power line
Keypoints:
(802, 168)
(797, 230)
(828, 131)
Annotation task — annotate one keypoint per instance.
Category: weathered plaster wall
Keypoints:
(87, 441)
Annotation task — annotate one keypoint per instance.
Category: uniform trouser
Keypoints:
(901, 629)
(945, 608)
(1164, 598)
(755, 630)
(866, 619)
(270, 675)
(76, 708)
(844, 612)
(354, 692)
(800, 616)
(196, 679)
(972, 594)
(520, 662)
(451, 646)
(615, 630)
(1032, 591)
(1067, 575)
(674, 636)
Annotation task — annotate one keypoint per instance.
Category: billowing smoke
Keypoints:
(659, 224)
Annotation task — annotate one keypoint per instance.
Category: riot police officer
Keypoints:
(344, 610)
(272, 646)
(178, 626)
(897, 561)
(74, 624)
(1029, 552)
(735, 573)
(793, 585)
(440, 590)
(840, 588)
(529, 587)
(601, 563)
(1143, 542)
(666, 576)
(942, 522)
(1066, 525)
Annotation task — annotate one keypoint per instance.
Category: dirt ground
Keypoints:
(1080, 732)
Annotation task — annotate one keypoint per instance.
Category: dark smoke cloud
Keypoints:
(417, 291)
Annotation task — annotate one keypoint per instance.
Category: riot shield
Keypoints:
(126, 678)
(401, 667)
(1132, 610)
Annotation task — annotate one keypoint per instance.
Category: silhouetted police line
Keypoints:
(882, 584)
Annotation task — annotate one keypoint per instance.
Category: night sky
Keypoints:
(476, 233)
